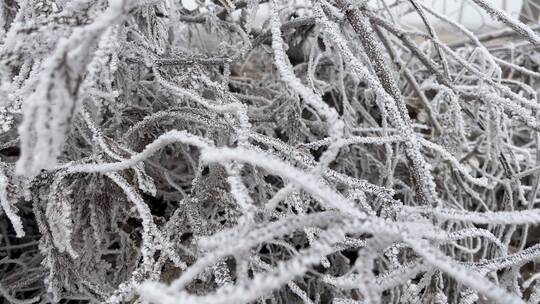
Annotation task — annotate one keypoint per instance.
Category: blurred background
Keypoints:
(463, 11)
(467, 13)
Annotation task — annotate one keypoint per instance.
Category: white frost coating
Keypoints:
(326, 154)
(335, 124)
(50, 109)
(163, 140)
(482, 181)
(473, 279)
(425, 179)
(7, 205)
(307, 182)
(499, 217)
(503, 17)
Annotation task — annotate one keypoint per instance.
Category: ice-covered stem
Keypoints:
(476, 40)
(410, 78)
(375, 53)
(165, 139)
(10, 299)
(333, 121)
(7, 204)
(408, 43)
(446, 155)
(519, 217)
(261, 284)
(433, 34)
(472, 279)
(514, 24)
(147, 246)
(373, 48)
(152, 240)
(497, 34)
(59, 216)
(428, 63)
(49, 110)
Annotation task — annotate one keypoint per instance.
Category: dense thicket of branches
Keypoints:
(324, 154)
